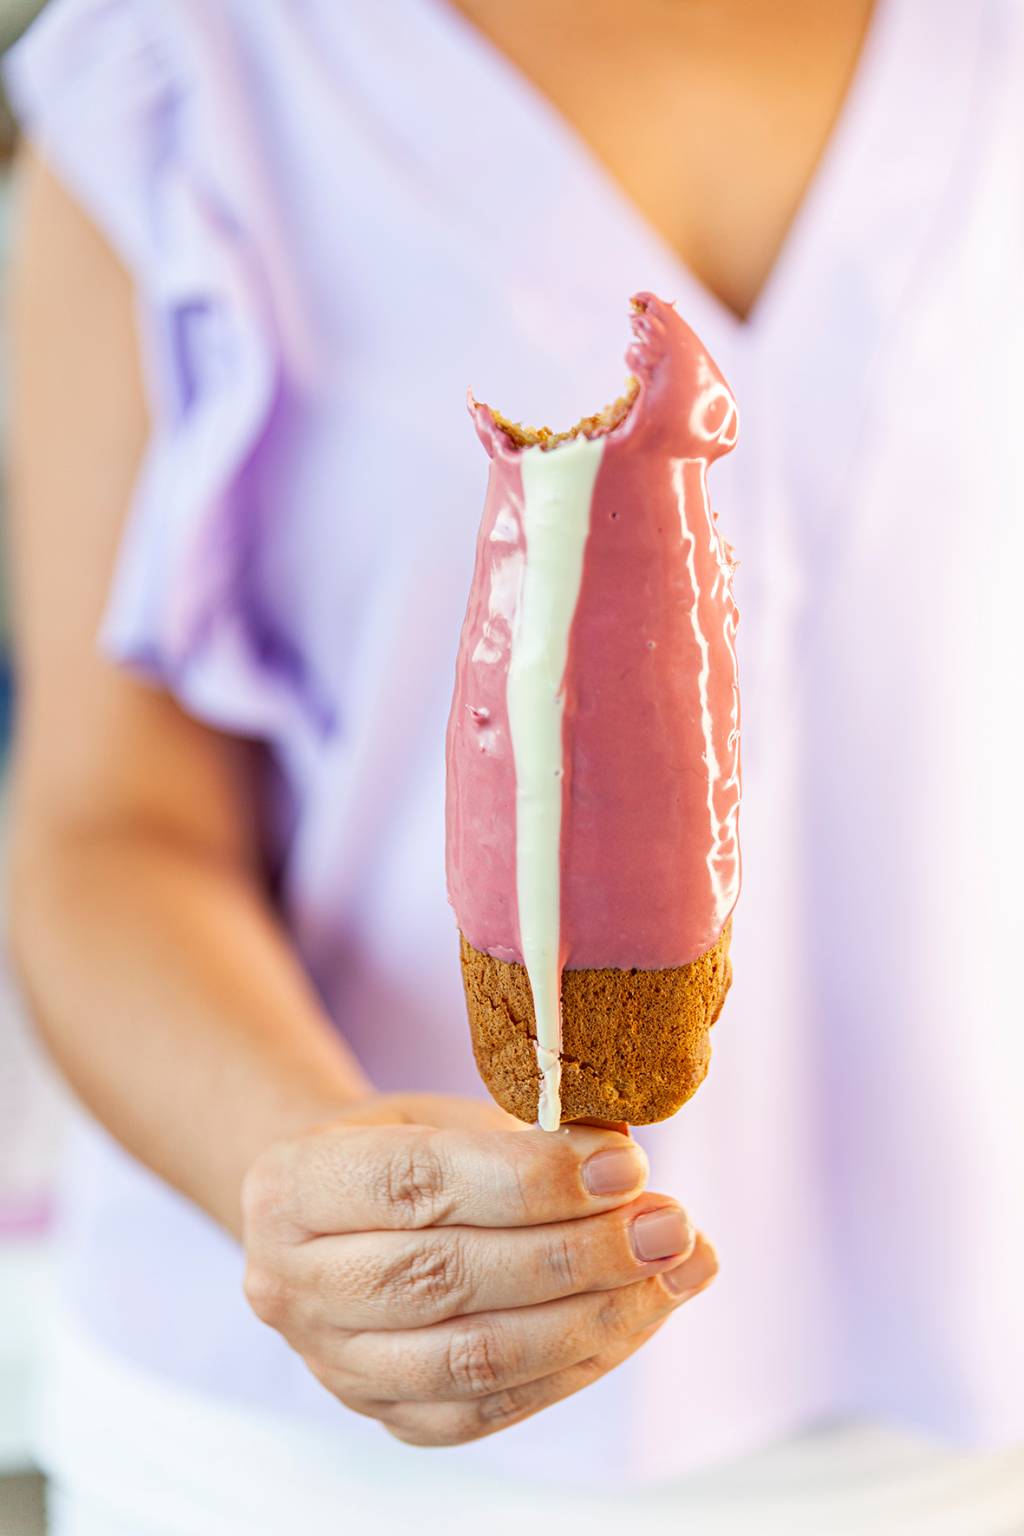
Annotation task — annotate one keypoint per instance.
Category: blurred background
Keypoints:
(29, 1098)
(32, 1103)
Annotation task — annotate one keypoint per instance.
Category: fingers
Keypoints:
(394, 1280)
(397, 1177)
(472, 1357)
(441, 1424)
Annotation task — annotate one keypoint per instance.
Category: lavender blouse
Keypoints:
(329, 245)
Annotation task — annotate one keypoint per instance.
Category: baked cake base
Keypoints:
(635, 1044)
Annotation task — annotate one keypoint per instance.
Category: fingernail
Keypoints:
(693, 1274)
(660, 1234)
(615, 1172)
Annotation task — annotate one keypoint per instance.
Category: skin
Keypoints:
(437, 1265)
(711, 115)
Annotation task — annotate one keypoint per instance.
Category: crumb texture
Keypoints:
(597, 425)
(635, 1044)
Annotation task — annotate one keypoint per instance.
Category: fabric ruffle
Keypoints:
(103, 90)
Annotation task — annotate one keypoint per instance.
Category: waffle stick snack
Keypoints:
(593, 748)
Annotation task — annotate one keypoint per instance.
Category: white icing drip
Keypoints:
(558, 487)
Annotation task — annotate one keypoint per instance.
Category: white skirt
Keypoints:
(130, 1454)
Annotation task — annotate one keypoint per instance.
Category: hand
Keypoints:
(449, 1271)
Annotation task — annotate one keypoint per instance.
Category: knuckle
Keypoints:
(524, 1184)
(412, 1182)
(616, 1313)
(474, 1362)
(536, 1179)
(564, 1263)
(547, 1178)
(593, 1366)
(430, 1278)
(433, 1431)
(405, 1433)
(268, 1295)
(462, 1428)
(267, 1188)
(451, 1424)
(499, 1409)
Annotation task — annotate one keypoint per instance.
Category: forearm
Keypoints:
(172, 1002)
(162, 982)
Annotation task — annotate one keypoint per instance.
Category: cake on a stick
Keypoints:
(593, 776)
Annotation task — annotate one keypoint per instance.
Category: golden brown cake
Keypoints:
(635, 1044)
(593, 748)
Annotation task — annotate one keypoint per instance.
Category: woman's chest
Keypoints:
(711, 119)
(413, 260)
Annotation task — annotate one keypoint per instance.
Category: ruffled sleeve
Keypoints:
(110, 93)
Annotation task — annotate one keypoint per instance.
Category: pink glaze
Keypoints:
(480, 804)
(649, 851)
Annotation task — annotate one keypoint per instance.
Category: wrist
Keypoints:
(291, 1105)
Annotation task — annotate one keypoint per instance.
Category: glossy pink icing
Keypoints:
(650, 860)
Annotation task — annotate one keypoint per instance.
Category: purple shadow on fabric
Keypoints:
(25, 1218)
(188, 325)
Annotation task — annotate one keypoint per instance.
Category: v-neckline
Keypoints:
(866, 236)
(830, 180)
